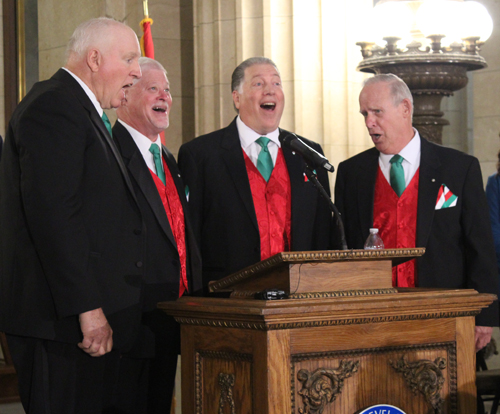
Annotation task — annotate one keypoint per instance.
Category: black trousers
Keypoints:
(59, 378)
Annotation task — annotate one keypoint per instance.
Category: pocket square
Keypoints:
(445, 198)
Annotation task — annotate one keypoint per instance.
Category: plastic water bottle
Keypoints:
(374, 241)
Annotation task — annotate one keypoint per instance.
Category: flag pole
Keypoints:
(145, 7)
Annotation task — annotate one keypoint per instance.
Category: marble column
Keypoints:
(484, 137)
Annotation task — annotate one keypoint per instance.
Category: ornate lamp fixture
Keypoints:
(431, 45)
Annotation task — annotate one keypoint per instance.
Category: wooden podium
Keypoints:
(343, 341)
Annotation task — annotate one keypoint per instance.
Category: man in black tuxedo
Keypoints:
(72, 252)
(437, 203)
(233, 191)
(172, 262)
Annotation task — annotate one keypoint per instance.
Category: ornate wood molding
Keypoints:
(288, 258)
(449, 347)
(342, 293)
(228, 356)
(247, 294)
(262, 326)
(226, 382)
(424, 376)
(322, 386)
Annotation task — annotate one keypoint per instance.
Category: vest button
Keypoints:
(139, 264)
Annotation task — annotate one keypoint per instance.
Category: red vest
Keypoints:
(396, 219)
(175, 213)
(273, 206)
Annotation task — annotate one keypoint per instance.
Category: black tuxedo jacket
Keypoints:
(72, 236)
(220, 200)
(162, 265)
(458, 240)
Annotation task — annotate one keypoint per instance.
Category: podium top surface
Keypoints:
(285, 259)
(407, 304)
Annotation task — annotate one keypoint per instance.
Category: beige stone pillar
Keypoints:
(313, 44)
(486, 98)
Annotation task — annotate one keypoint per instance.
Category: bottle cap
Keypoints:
(373, 231)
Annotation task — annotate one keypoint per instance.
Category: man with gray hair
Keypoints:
(418, 194)
(72, 241)
(172, 261)
(248, 195)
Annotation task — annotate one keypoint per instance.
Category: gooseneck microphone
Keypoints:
(313, 160)
(311, 155)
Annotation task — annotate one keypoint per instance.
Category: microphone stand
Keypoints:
(314, 179)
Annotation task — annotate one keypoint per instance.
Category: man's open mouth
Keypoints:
(159, 109)
(268, 106)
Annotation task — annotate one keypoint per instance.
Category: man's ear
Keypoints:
(236, 99)
(407, 108)
(94, 59)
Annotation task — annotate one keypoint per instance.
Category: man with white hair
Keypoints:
(418, 194)
(172, 262)
(72, 239)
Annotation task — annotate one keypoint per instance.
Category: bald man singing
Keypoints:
(72, 239)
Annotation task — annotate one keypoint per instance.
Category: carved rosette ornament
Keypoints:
(323, 386)
(424, 376)
(226, 382)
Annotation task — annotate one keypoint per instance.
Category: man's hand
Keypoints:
(97, 334)
(482, 336)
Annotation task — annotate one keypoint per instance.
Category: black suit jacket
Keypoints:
(162, 265)
(222, 208)
(72, 236)
(458, 240)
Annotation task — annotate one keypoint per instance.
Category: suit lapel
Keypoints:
(232, 154)
(428, 186)
(365, 182)
(72, 85)
(140, 171)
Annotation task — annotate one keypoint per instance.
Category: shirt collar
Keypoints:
(141, 140)
(411, 153)
(89, 93)
(248, 135)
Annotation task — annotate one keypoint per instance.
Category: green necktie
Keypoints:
(105, 119)
(264, 161)
(155, 150)
(397, 174)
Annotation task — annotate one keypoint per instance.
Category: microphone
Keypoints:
(311, 155)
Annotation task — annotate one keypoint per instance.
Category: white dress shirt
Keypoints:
(144, 143)
(411, 162)
(248, 137)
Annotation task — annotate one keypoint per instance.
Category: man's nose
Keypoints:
(136, 70)
(269, 89)
(369, 121)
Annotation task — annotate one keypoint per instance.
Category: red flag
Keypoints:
(147, 47)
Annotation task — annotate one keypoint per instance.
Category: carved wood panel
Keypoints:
(424, 383)
(223, 383)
